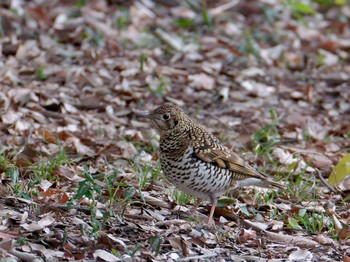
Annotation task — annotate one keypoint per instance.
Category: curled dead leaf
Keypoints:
(47, 136)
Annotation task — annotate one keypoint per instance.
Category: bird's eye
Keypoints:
(166, 116)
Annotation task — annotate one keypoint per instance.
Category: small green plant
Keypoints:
(93, 37)
(266, 197)
(143, 59)
(90, 189)
(44, 169)
(160, 86)
(145, 173)
(303, 188)
(155, 243)
(163, 86)
(201, 7)
(207, 19)
(40, 73)
(184, 23)
(249, 45)
(87, 188)
(122, 18)
(13, 173)
(22, 241)
(4, 162)
(180, 197)
(299, 9)
(136, 248)
(274, 214)
(313, 222)
(271, 14)
(110, 179)
(81, 3)
(266, 138)
(330, 3)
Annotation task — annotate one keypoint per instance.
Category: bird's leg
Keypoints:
(212, 209)
(194, 209)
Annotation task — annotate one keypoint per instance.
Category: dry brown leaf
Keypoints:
(67, 173)
(323, 240)
(41, 224)
(302, 242)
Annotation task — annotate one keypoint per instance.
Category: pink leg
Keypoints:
(213, 205)
(194, 209)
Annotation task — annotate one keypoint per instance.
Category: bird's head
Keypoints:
(165, 118)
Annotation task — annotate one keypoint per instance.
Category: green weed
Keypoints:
(44, 169)
(201, 8)
(303, 188)
(266, 138)
(208, 21)
(249, 45)
(299, 9)
(266, 197)
(271, 15)
(143, 59)
(13, 173)
(40, 73)
(22, 241)
(313, 222)
(93, 37)
(160, 86)
(122, 19)
(136, 248)
(146, 174)
(110, 179)
(184, 23)
(89, 189)
(155, 243)
(180, 197)
(81, 3)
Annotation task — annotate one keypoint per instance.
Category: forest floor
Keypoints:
(79, 171)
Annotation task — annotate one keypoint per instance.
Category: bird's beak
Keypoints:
(145, 114)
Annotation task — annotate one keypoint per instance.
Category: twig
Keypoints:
(155, 201)
(324, 182)
(170, 222)
(170, 40)
(138, 217)
(222, 8)
(198, 257)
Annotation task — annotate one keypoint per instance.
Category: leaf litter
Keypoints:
(79, 172)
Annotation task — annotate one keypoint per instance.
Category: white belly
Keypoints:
(196, 177)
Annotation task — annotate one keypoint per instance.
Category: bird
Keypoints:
(196, 162)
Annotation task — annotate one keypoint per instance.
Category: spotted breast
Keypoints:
(196, 162)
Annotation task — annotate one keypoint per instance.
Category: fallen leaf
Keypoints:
(106, 256)
(340, 171)
(41, 224)
(202, 81)
(300, 255)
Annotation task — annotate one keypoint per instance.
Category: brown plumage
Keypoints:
(196, 162)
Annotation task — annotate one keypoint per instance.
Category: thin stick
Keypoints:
(324, 182)
(222, 8)
(197, 257)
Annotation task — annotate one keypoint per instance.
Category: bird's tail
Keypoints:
(259, 183)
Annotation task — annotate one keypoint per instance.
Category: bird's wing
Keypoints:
(209, 149)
